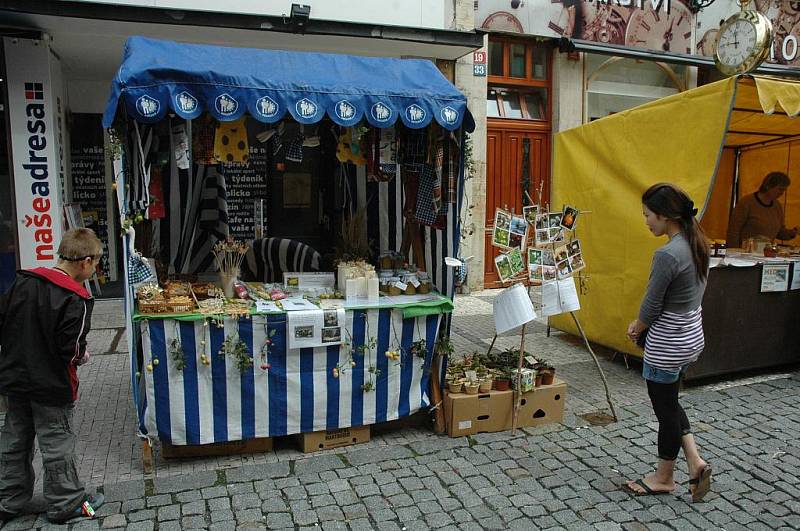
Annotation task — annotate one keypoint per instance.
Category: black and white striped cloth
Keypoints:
(675, 339)
(268, 258)
(142, 150)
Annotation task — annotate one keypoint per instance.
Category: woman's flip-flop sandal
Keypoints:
(647, 490)
(702, 484)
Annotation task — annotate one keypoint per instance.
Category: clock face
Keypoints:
(736, 42)
(656, 30)
(743, 42)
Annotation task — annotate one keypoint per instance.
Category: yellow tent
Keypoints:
(691, 139)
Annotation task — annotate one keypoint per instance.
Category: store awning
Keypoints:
(159, 76)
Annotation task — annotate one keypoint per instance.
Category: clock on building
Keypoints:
(743, 42)
(656, 30)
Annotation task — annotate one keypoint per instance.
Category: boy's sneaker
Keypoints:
(6, 516)
(85, 509)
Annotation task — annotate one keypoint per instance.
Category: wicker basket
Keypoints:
(165, 306)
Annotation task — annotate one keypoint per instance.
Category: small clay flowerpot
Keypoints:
(502, 384)
(472, 388)
(486, 386)
(454, 387)
(548, 377)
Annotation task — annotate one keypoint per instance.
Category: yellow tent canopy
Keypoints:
(691, 139)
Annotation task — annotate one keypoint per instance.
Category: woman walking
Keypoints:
(670, 328)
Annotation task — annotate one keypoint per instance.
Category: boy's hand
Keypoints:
(83, 359)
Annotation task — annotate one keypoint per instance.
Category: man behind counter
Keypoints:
(761, 214)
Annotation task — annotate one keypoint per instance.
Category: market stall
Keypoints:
(361, 159)
(717, 142)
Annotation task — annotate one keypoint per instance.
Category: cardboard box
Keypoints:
(543, 405)
(323, 440)
(470, 414)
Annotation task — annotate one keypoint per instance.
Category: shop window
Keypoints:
(616, 84)
(539, 63)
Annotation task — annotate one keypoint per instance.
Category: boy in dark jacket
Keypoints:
(44, 319)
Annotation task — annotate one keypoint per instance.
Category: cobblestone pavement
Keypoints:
(559, 476)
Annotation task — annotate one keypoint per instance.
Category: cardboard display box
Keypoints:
(323, 440)
(543, 405)
(470, 414)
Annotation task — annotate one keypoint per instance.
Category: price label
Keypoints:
(414, 282)
(402, 286)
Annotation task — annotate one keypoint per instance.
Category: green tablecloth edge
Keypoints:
(410, 310)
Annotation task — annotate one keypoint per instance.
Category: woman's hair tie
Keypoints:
(691, 211)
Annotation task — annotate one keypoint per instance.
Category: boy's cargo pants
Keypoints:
(63, 490)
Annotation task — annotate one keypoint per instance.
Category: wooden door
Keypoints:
(504, 177)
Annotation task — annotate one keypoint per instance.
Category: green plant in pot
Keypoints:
(547, 371)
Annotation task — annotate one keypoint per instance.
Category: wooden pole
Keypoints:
(597, 363)
(492, 345)
(436, 397)
(518, 391)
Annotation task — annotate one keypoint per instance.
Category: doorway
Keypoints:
(518, 108)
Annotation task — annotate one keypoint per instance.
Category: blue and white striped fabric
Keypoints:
(207, 404)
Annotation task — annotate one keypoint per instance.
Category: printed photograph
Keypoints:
(292, 282)
(548, 273)
(518, 225)
(561, 253)
(332, 335)
(516, 240)
(547, 258)
(563, 269)
(542, 236)
(501, 238)
(517, 262)
(304, 332)
(330, 318)
(554, 220)
(576, 262)
(534, 257)
(503, 265)
(530, 213)
(535, 274)
(542, 222)
(502, 219)
(574, 247)
(569, 217)
(557, 235)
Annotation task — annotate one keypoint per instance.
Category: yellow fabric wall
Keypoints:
(605, 166)
(717, 214)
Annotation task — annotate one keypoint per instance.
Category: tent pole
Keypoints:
(597, 363)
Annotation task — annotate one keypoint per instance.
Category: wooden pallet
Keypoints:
(249, 446)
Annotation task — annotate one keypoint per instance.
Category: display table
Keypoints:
(746, 329)
(203, 404)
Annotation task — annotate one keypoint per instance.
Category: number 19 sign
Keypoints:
(479, 64)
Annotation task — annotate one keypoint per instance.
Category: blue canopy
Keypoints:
(156, 76)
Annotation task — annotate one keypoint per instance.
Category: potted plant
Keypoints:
(547, 371)
(454, 385)
(486, 380)
(502, 379)
(471, 387)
